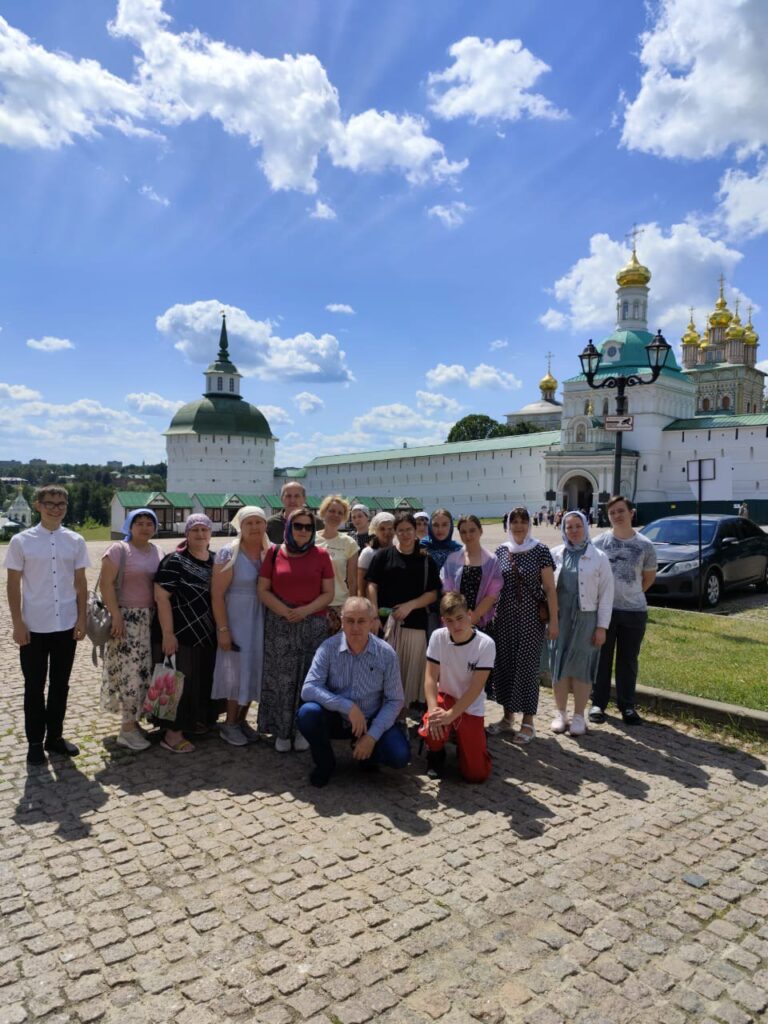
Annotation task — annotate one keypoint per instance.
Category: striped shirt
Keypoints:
(337, 679)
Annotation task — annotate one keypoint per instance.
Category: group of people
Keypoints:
(336, 634)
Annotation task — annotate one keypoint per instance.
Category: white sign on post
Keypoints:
(716, 479)
(621, 423)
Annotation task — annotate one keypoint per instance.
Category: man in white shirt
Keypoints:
(47, 595)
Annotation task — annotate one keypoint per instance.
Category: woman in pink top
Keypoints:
(128, 656)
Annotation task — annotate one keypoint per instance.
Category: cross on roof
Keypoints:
(634, 234)
(550, 357)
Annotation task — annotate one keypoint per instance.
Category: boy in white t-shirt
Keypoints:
(459, 661)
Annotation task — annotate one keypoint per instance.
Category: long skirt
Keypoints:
(411, 648)
(127, 667)
(289, 648)
(196, 709)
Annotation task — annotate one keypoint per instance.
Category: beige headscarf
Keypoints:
(246, 512)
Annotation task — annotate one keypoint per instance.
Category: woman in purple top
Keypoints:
(473, 572)
(128, 654)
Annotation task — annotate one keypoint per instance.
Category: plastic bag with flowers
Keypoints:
(164, 691)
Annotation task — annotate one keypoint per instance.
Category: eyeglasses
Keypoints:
(306, 527)
(54, 506)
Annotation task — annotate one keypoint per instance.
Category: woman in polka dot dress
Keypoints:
(528, 571)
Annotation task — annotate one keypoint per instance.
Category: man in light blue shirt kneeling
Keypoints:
(353, 691)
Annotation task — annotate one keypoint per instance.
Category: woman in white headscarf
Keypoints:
(239, 616)
(584, 583)
(527, 609)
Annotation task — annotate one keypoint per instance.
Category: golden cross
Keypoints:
(634, 234)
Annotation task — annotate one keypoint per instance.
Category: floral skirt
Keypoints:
(127, 666)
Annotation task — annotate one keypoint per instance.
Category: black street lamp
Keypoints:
(657, 353)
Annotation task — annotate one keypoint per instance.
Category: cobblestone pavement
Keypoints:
(221, 885)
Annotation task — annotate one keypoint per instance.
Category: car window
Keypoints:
(730, 528)
(750, 529)
(679, 531)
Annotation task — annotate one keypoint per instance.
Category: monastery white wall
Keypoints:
(220, 463)
(486, 483)
(740, 451)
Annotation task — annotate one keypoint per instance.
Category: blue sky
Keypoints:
(402, 206)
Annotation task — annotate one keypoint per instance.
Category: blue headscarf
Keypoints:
(126, 530)
(440, 549)
(585, 521)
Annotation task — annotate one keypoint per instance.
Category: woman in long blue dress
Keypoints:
(239, 616)
(584, 583)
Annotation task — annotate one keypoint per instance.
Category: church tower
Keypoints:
(632, 294)
(220, 444)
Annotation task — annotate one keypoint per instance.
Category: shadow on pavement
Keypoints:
(59, 792)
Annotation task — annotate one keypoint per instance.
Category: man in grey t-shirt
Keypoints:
(633, 561)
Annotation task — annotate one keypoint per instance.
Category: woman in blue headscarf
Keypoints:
(128, 570)
(439, 541)
(584, 584)
(296, 585)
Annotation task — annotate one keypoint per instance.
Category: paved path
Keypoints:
(221, 885)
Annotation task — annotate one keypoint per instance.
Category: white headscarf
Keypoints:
(378, 519)
(246, 512)
(526, 545)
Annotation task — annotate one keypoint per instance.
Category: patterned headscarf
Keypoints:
(126, 530)
(290, 543)
(196, 519)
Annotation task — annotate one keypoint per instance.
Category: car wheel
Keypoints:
(762, 586)
(713, 588)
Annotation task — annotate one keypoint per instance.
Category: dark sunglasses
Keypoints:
(307, 527)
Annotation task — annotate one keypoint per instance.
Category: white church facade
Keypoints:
(221, 450)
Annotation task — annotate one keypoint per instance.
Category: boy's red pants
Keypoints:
(474, 759)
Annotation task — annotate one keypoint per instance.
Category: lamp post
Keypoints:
(657, 352)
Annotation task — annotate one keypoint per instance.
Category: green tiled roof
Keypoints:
(368, 502)
(544, 439)
(312, 501)
(759, 419)
(178, 498)
(212, 500)
(134, 499)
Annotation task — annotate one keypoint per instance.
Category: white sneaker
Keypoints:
(282, 746)
(300, 742)
(133, 740)
(233, 734)
(578, 726)
(559, 722)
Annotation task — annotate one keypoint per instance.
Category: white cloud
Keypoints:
(489, 79)
(553, 319)
(49, 99)
(257, 351)
(151, 402)
(18, 392)
(433, 402)
(379, 141)
(155, 197)
(704, 81)
(743, 209)
(762, 365)
(452, 215)
(276, 414)
(482, 376)
(685, 265)
(499, 343)
(322, 211)
(339, 307)
(285, 107)
(308, 403)
(49, 344)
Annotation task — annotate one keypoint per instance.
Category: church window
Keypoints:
(726, 402)
(605, 407)
(581, 433)
(635, 309)
(219, 383)
(705, 404)
(586, 407)
(231, 383)
(624, 310)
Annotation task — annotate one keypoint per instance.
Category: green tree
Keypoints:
(474, 427)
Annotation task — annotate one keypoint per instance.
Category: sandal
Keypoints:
(503, 725)
(523, 738)
(182, 747)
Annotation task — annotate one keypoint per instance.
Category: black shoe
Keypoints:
(35, 754)
(631, 717)
(319, 778)
(596, 715)
(435, 764)
(62, 746)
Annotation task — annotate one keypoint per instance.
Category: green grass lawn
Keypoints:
(719, 657)
(93, 532)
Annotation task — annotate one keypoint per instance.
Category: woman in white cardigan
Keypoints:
(584, 583)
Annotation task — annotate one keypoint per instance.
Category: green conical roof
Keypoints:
(222, 363)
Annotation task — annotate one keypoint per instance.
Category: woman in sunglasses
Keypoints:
(296, 585)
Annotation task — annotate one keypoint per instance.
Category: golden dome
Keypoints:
(634, 273)
(751, 337)
(735, 331)
(721, 316)
(691, 336)
(548, 382)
